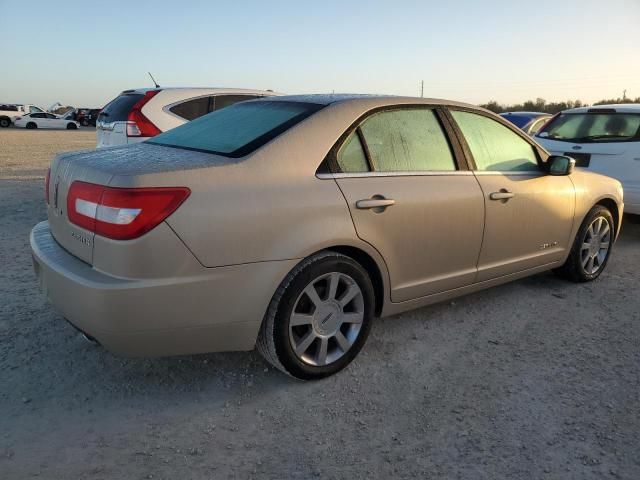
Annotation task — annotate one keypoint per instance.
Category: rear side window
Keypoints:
(191, 109)
(239, 129)
(118, 109)
(407, 140)
(351, 156)
(593, 127)
(495, 147)
(222, 101)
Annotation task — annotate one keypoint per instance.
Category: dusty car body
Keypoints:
(213, 275)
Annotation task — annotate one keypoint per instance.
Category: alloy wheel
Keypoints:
(326, 319)
(595, 245)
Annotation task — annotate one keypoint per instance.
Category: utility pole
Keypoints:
(624, 94)
(422, 89)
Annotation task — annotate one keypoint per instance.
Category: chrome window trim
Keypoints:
(443, 173)
(440, 173)
(509, 173)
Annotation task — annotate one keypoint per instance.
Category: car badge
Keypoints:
(576, 147)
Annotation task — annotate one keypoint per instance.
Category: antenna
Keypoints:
(421, 88)
(153, 80)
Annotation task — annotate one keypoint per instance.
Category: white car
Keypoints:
(603, 139)
(9, 112)
(45, 120)
(135, 115)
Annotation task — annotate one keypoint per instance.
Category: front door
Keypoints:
(410, 200)
(529, 214)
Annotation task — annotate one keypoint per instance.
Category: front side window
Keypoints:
(495, 147)
(191, 109)
(407, 140)
(33, 109)
(592, 127)
(237, 130)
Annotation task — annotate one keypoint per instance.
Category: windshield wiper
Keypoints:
(599, 137)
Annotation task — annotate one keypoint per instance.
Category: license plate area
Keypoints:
(582, 159)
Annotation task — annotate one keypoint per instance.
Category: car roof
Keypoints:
(618, 108)
(524, 114)
(372, 101)
(203, 90)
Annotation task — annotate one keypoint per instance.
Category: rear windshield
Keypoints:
(592, 127)
(117, 110)
(237, 130)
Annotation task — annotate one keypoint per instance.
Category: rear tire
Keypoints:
(31, 126)
(319, 318)
(72, 126)
(5, 122)
(591, 248)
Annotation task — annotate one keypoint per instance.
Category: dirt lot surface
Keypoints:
(538, 379)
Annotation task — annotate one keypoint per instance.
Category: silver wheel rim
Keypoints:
(326, 319)
(595, 245)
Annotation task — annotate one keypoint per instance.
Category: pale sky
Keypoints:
(83, 53)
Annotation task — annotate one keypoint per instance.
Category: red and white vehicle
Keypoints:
(135, 115)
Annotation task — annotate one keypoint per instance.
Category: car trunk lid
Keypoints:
(129, 165)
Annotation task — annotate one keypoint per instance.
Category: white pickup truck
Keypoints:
(9, 112)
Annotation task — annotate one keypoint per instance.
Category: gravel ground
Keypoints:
(537, 379)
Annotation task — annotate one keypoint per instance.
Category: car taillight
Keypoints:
(121, 213)
(137, 124)
(46, 185)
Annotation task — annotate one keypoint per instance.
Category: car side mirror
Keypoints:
(560, 165)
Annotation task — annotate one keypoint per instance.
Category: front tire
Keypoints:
(591, 248)
(319, 318)
(5, 122)
(72, 126)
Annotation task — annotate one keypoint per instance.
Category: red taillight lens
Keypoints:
(137, 124)
(121, 213)
(46, 185)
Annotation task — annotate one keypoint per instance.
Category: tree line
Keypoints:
(541, 105)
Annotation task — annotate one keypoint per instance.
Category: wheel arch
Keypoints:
(372, 268)
(612, 206)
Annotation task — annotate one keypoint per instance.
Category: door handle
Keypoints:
(502, 195)
(376, 202)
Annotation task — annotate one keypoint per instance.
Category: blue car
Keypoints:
(530, 122)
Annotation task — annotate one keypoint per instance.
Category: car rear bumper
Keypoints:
(218, 310)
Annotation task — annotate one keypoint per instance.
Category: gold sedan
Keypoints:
(289, 223)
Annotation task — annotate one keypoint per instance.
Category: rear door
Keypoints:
(411, 199)
(529, 214)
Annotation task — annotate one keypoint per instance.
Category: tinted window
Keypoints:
(191, 109)
(351, 157)
(51, 116)
(221, 101)
(493, 146)
(237, 130)
(407, 140)
(592, 127)
(9, 108)
(118, 109)
(38, 115)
